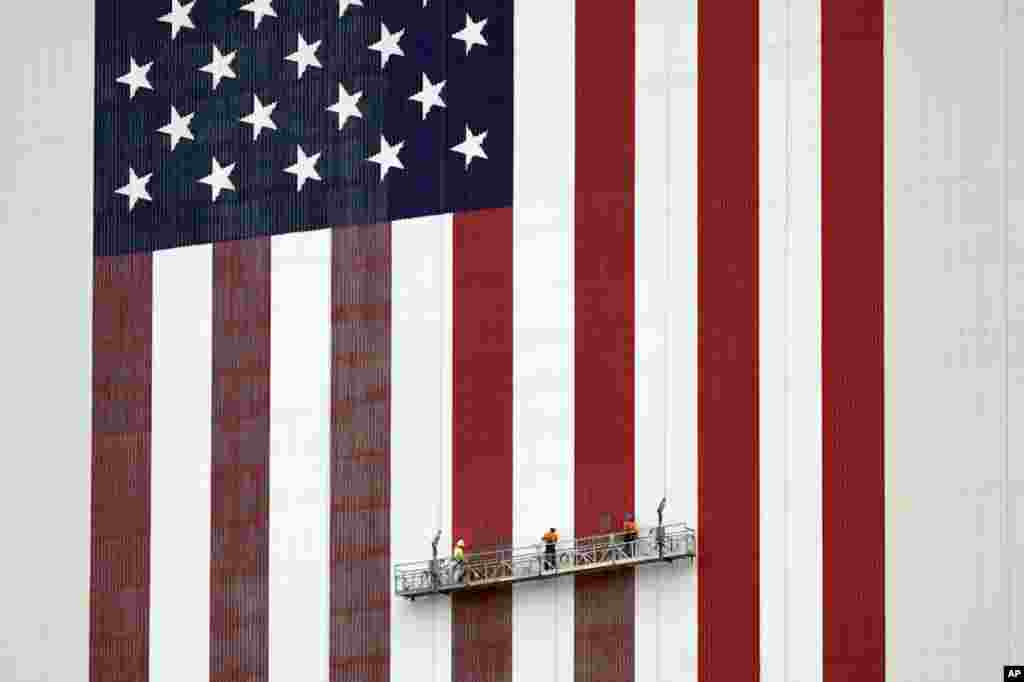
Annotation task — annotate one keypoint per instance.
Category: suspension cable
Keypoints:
(441, 366)
(441, 281)
(667, 402)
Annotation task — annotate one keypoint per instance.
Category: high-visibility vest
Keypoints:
(629, 526)
(550, 537)
(458, 554)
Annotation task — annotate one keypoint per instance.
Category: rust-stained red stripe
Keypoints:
(360, 453)
(482, 636)
(121, 438)
(482, 432)
(605, 626)
(241, 456)
(604, 323)
(727, 256)
(852, 350)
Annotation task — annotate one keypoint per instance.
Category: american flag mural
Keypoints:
(292, 285)
(368, 270)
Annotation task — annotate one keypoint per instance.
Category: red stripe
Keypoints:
(852, 268)
(728, 608)
(482, 432)
(605, 620)
(482, 635)
(121, 450)
(360, 453)
(239, 553)
(604, 322)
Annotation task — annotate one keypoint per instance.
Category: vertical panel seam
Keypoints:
(571, 507)
(670, 32)
(787, 348)
(441, 282)
(1006, 520)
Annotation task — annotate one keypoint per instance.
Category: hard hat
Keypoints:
(460, 543)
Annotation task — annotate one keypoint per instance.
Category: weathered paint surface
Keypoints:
(241, 452)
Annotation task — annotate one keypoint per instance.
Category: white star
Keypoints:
(343, 6)
(219, 178)
(136, 78)
(388, 45)
(304, 168)
(178, 128)
(260, 117)
(305, 55)
(387, 157)
(472, 147)
(473, 34)
(429, 96)
(220, 67)
(135, 189)
(347, 106)
(178, 17)
(259, 9)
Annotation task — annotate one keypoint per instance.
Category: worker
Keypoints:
(550, 540)
(630, 532)
(459, 556)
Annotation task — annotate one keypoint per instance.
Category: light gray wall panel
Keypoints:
(45, 345)
(944, 324)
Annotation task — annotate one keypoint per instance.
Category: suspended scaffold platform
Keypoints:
(670, 542)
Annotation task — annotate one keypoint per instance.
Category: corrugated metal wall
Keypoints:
(482, 636)
(852, 340)
(360, 454)
(121, 450)
(605, 626)
(482, 478)
(728, 249)
(953, 334)
(239, 579)
(605, 316)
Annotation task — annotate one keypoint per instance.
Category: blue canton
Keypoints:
(220, 120)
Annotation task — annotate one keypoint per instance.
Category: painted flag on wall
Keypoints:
(369, 270)
(758, 257)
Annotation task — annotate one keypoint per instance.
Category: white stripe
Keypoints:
(790, 332)
(300, 443)
(804, 607)
(773, 306)
(421, 462)
(666, 326)
(543, 248)
(945, 164)
(543, 625)
(790, 342)
(179, 613)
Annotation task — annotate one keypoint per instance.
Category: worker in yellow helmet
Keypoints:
(459, 556)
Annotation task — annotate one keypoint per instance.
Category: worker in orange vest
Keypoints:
(630, 532)
(550, 540)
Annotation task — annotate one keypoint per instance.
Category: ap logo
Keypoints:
(1013, 672)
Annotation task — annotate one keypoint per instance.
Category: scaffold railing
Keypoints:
(608, 551)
